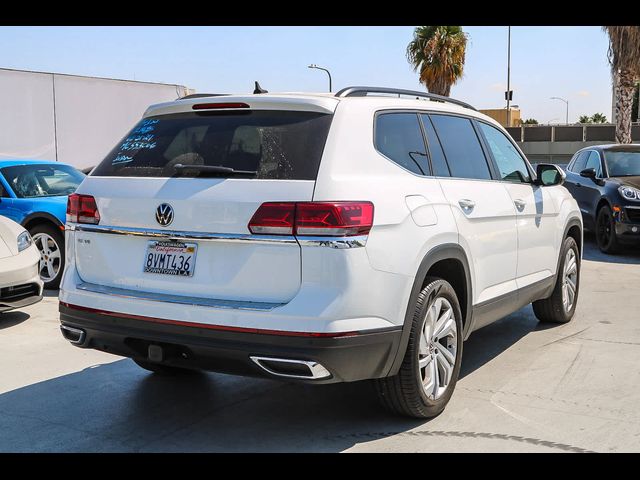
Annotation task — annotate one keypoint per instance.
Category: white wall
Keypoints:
(26, 115)
(91, 114)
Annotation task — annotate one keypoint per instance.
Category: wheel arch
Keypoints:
(449, 262)
(37, 218)
(604, 201)
(572, 229)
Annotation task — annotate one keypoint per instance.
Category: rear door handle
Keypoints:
(520, 204)
(466, 204)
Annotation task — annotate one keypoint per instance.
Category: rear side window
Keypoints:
(438, 162)
(399, 138)
(273, 144)
(461, 147)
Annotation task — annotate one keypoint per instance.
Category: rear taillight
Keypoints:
(273, 218)
(333, 219)
(82, 209)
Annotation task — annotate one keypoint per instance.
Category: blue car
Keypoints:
(34, 194)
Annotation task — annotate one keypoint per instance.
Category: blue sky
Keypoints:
(567, 62)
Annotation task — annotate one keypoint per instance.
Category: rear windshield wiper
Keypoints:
(213, 169)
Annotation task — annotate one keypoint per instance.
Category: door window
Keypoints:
(461, 147)
(580, 162)
(511, 165)
(438, 161)
(593, 161)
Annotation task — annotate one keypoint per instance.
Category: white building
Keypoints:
(71, 118)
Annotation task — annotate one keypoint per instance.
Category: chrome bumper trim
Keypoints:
(182, 235)
(179, 299)
(306, 241)
(333, 242)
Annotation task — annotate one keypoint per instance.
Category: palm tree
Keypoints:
(438, 52)
(585, 119)
(624, 57)
(636, 98)
(599, 118)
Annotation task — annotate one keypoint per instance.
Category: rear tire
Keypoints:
(161, 369)
(606, 232)
(49, 240)
(429, 371)
(555, 309)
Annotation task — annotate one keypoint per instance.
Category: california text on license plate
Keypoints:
(170, 258)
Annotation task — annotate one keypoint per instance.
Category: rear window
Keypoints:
(265, 144)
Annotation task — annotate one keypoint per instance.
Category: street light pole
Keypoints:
(567, 103)
(313, 65)
(508, 76)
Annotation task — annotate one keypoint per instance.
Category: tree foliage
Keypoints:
(438, 54)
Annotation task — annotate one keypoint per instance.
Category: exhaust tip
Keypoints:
(74, 335)
(288, 368)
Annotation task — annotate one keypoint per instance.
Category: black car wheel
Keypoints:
(606, 231)
(431, 364)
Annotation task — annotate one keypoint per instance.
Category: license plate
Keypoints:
(170, 258)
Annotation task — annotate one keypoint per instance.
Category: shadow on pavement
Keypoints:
(119, 407)
(629, 255)
(50, 293)
(489, 342)
(10, 319)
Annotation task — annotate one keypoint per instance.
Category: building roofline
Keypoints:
(90, 76)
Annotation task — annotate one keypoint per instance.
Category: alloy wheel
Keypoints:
(569, 279)
(437, 351)
(50, 256)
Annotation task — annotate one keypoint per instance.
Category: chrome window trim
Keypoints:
(309, 241)
(178, 299)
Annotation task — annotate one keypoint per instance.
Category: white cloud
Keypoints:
(584, 93)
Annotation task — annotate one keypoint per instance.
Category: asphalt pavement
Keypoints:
(524, 386)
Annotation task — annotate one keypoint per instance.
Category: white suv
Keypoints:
(316, 238)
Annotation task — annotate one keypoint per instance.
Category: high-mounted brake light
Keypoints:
(211, 106)
(82, 209)
(333, 219)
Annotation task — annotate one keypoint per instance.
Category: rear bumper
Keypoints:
(347, 357)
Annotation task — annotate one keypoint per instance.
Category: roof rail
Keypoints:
(199, 95)
(362, 91)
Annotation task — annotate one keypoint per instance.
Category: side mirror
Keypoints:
(591, 173)
(549, 174)
(588, 173)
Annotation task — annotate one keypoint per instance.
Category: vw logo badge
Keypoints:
(164, 214)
